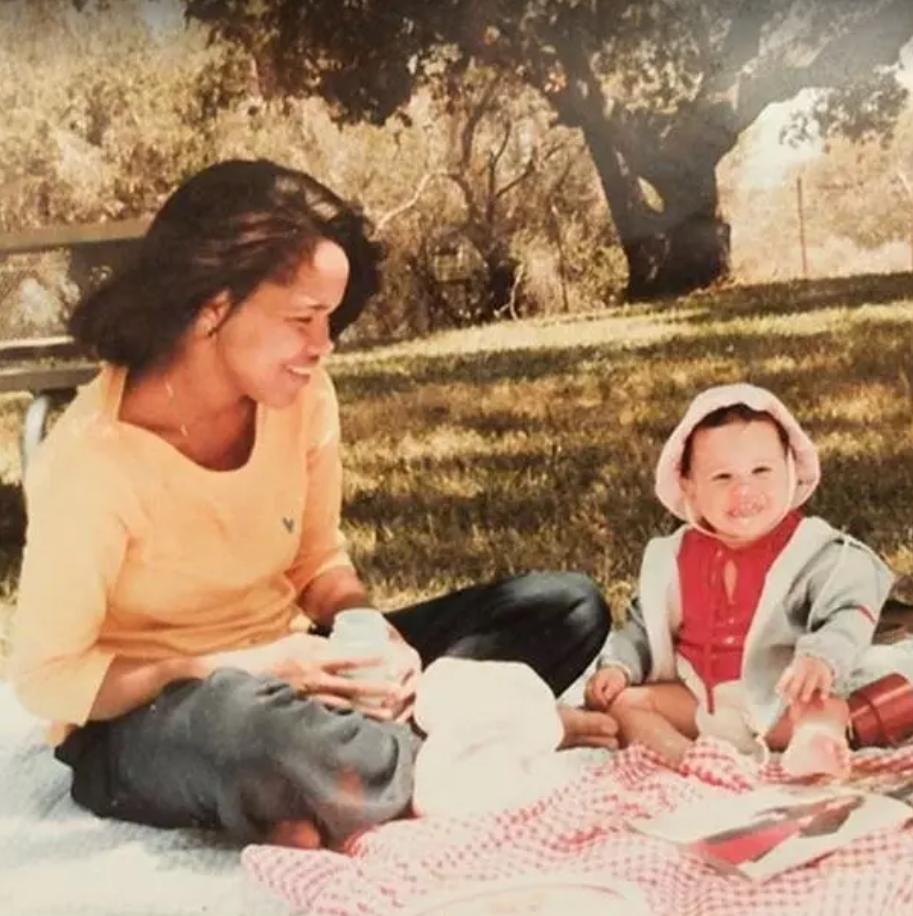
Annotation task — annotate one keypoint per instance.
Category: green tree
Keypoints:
(660, 91)
(102, 114)
(504, 171)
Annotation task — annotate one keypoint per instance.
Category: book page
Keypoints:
(761, 833)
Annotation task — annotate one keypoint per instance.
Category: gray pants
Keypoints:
(241, 752)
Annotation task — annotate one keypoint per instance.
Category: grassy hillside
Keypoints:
(532, 444)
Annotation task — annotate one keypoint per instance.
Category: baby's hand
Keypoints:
(805, 677)
(604, 686)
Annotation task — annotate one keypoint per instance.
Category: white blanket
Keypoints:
(58, 860)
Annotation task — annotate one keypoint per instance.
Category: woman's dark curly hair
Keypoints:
(226, 229)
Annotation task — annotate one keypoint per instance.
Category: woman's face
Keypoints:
(738, 484)
(270, 344)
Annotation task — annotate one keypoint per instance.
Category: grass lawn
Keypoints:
(531, 444)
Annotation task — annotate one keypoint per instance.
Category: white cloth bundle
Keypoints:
(493, 728)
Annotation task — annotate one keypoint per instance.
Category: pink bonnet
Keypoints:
(668, 469)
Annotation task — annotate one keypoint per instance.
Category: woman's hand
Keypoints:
(804, 678)
(404, 665)
(305, 662)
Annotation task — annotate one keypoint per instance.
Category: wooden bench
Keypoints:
(51, 368)
(49, 383)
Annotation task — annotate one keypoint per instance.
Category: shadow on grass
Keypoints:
(589, 507)
(865, 358)
(400, 375)
(805, 295)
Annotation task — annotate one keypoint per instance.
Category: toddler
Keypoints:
(751, 616)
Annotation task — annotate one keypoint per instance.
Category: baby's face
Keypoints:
(738, 484)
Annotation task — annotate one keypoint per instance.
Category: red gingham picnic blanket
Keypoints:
(580, 828)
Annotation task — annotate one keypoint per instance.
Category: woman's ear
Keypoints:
(210, 317)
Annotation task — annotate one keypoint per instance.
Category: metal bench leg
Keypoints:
(33, 428)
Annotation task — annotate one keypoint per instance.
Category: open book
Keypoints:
(761, 833)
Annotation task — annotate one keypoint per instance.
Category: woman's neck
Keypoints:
(212, 424)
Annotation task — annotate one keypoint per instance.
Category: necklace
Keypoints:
(183, 426)
(169, 390)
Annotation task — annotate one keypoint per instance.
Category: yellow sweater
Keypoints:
(134, 550)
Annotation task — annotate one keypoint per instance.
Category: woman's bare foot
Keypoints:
(817, 750)
(298, 834)
(587, 728)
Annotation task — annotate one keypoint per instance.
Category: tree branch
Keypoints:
(511, 306)
(741, 45)
(382, 221)
(517, 179)
(555, 226)
(491, 197)
(478, 111)
(463, 184)
(495, 157)
(656, 147)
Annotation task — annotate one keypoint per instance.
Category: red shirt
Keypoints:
(720, 590)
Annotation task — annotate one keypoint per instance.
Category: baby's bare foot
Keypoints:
(587, 728)
(817, 750)
(672, 752)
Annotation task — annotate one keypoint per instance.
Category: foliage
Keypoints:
(660, 91)
(107, 129)
(134, 101)
(871, 188)
(131, 104)
(651, 58)
(508, 182)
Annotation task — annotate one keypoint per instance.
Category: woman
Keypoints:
(185, 509)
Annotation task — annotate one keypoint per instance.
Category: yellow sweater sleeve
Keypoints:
(75, 545)
(322, 545)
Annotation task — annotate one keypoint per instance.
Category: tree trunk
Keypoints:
(683, 246)
(501, 275)
(686, 256)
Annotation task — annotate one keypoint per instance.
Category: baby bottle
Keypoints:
(362, 632)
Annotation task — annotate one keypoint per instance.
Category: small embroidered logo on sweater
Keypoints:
(289, 523)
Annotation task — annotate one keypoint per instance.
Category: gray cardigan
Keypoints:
(822, 597)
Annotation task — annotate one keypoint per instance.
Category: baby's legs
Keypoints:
(659, 716)
(814, 737)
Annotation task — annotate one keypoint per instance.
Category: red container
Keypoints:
(881, 713)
